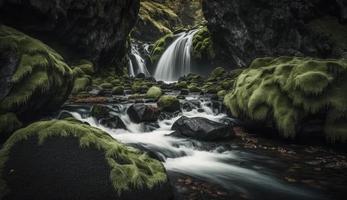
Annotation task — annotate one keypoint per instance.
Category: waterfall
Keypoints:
(176, 60)
(137, 62)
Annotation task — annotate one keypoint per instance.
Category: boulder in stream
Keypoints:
(201, 129)
(66, 159)
(143, 113)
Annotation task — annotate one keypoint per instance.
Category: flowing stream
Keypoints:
(227, 166)
(176, 60)
(137, 64)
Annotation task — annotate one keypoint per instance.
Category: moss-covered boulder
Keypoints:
(65, 159)
(154, 92)
(118, 90)
(168, 103)
(8, 124)
(292, 93)
(83, 76)
(39, 80)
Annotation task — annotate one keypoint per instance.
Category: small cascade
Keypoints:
(176, 60)
(137, 64)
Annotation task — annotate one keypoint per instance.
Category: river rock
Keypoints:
(168, 103)
(65, 159)
(107, 116)
(143, 113)
(94, 30)
(201, 129)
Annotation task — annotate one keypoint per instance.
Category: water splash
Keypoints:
(176, 60)
(137, 64)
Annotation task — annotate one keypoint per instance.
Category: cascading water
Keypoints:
(215, 164)
(137, 64)
(176, 60)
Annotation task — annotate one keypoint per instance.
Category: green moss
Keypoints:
(203, 45)
(106, 86)
(154, 92)
(139, 86)
(169, 103)
(288, 91)
(81, 83)
(40, 74)
(221, 94)
(182, 85)
(8, 124)
(160, 46)
(129, 168)
(194, 87)
(118, 90)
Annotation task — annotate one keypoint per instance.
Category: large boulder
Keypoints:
(249, 29)
(34, 79)
(294, 95)
(90, 29)
(66, 159)
(143, 113)
(201, 129)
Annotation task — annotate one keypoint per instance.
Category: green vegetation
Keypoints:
(169, 103)
(158, 15)
(203, 45)
(8, 124)
(42, 79)
(289, 91)
(129, 168)
(154, 92)
(118, 90)
(160, 46)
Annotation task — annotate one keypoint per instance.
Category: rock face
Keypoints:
(94, 30)
(36, 78)
(65, 159)
(143, 113)
(201, 129)
(248, 29)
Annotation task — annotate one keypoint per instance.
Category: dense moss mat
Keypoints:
(160, 46)
(83, 76)
(290, 92)
(203, 45)
(128, 168)
(41, 81)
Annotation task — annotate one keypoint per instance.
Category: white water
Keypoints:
(188, 156)
(176, 60)
(140, 64)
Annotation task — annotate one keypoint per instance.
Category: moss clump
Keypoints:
(129, 168)
(182, 85)
(154, 92)
(106, 86)
(8, 124)
(139, 86)
(169, 103)
(42, 80)
(289, 91)
(160, 46)
(194, 87)
(203, 45)
(118, 90)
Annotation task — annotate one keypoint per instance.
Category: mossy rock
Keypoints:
(193, 87)
(290, 92)
(168, 103)
(118, 90)
(154, 92)
(182, 85)
(66, 159)
(106, 86)
(139, 87)
(8, 124)
(41, 81)
(203, 45)
(160, 46)
(81, 83)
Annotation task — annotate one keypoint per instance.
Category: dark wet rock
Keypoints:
(151, 126)
(94, 30)
(107, 116)
(190, 105)
(168, 115)
(143, 113)
(181, 97)
(184, 92)
(248, 29)
(141, 76)
(202, 129)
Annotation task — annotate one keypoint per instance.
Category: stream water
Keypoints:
(224, 164)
